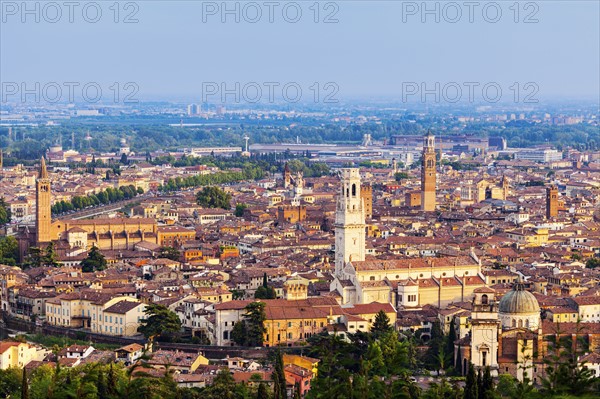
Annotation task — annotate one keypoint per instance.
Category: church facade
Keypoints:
(509, 336)
(405, 283)
(73, 235)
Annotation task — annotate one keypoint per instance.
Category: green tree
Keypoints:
(10, 381)
(101, 386)
(160, 321)
(486, 390)
(381, 323)
(34, 257)
(399, 176)
(4, 212)
(449, 349)
(254, 318)
(262, 392)
(213, 197)
(279, 384)
(470, 391)
(50, 258)
(24, 385)
(564, 373)
(9, 250)
(95, 261)
(223, 386)
(265, 291)
(239, 209)
(592, 263)
(111, 381)
(239, 334)
(375, 363)
(170, 253)
(436, 341)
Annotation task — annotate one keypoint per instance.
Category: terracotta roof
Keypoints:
(122, 307)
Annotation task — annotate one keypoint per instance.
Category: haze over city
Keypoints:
(367, 48)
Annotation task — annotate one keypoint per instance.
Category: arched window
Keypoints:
(484, 299)
(527, 323)
(347, 192)
(514, 323)
(354, 190)
(520, 323)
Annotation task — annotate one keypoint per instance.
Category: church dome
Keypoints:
(518, 301)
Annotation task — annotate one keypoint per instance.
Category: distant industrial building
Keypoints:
(539, 155)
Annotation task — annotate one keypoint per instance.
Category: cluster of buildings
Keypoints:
(495, 248)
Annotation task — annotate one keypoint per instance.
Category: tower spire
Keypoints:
(43, 171)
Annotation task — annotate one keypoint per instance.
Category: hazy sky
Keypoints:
(375, 49)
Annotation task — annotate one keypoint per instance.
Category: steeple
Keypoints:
(43, 174)
(43, 217)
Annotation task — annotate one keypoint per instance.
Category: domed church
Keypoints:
(509, 336)
(519, 309)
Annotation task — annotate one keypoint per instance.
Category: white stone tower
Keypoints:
(349, 222)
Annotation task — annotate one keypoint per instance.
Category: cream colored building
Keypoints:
(19, 354)
(87, 310)
(122, 318)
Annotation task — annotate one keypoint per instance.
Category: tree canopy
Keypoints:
(213, 197)
(5, 214)
(95, 261)
(159, 322)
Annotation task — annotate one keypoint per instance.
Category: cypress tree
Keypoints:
(24, 386)
(282, 394)
(262, 392)
(450, 340)
(480, 390)
(276, 385)
(101, 386)
(111, 382)
(488, 383)
(470, 391)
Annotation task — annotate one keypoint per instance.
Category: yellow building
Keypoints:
(173, 236)
(19, 354)
(529, 237)
(292, 324)
(305, 362)
(562, 315)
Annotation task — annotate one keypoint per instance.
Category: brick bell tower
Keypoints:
(43, 217)
(428, 173)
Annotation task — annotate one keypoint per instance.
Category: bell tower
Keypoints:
(551, 202)
(42, 206)
(428, 173)
(349, 221)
